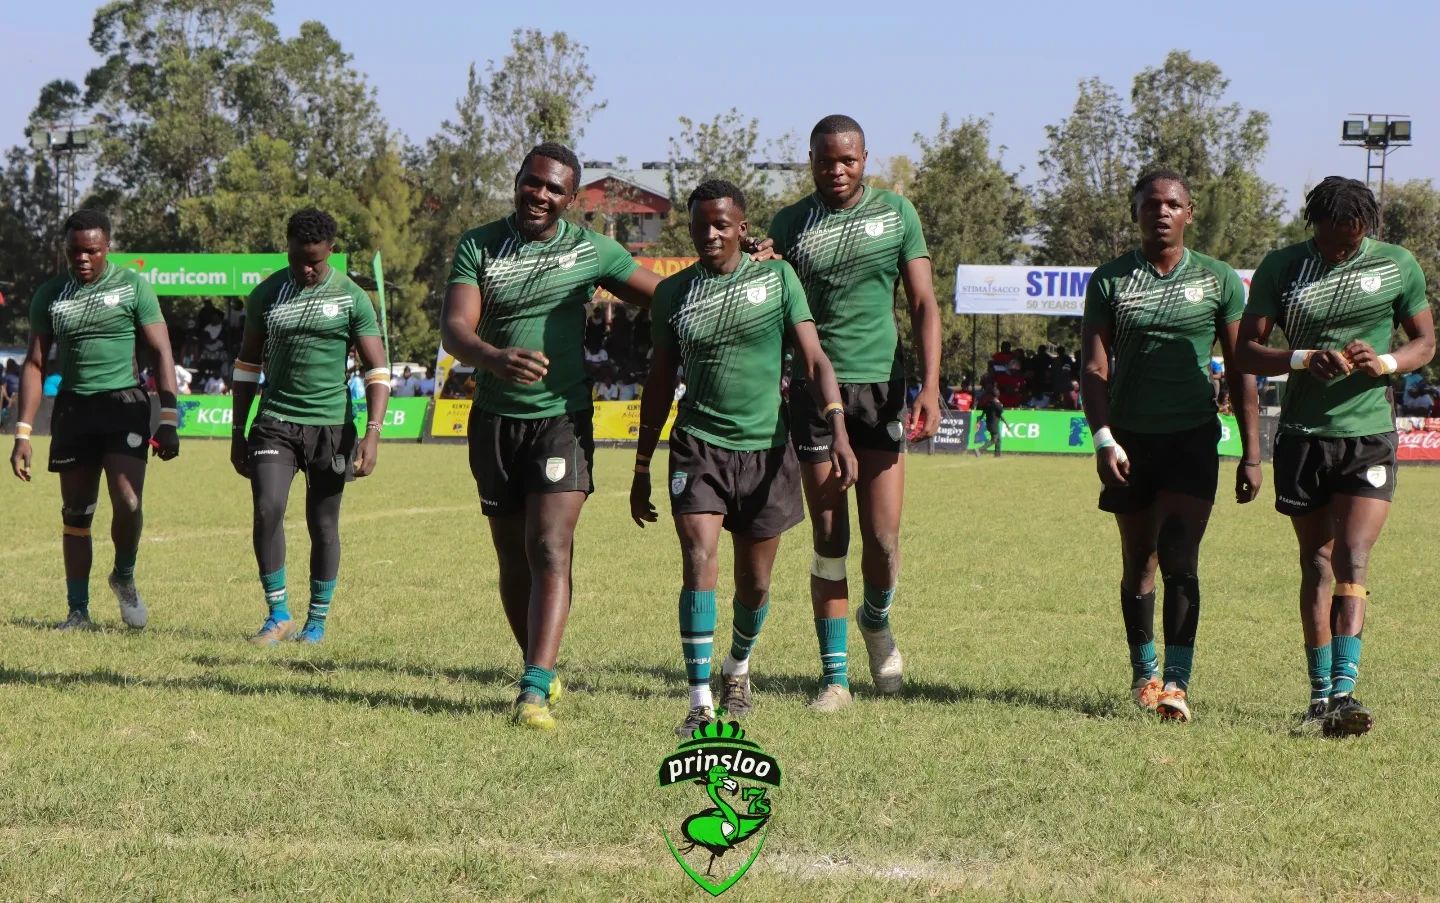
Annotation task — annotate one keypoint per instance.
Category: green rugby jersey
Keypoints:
(308, 334)
(533, 295)
(1326, 306)
(730, 331)
(849, 261)
(1162, 330)
(96, 326)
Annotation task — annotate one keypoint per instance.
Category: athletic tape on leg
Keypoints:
(1350, 589)
(828, 568)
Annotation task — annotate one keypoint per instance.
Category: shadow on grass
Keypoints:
(806, 685)
(416, 702)
(116, 629)
(324, 665)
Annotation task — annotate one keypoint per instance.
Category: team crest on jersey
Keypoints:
(554, 469)
(330, 310)
(111, 300)
(1370, 284)
(875, 228)
(567, 261)
(1194, 294)
(756, 294)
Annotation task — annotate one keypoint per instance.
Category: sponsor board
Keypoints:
(212, 415)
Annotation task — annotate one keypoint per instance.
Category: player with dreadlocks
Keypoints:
(1337, 298)
(101, 422)
(299, 326)
(1156, 312)
(851, 245)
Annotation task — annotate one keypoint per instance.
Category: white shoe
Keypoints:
(832, 698)
(132, 607)
(886, 665)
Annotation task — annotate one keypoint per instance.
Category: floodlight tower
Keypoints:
(1379, 134)
(66, 144)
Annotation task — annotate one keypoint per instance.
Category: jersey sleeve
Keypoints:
(796, 308)
(362, 315)
(779, 231)
(255, 309)
(147, 306)
(661, 335)
(469, 262)
(615, 262)
(1412, 298)
(1232, 295)
(40, 323)
(913, 245)
(1099, 311)
(1264, 298)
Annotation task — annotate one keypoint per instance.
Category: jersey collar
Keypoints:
(562, 225)
(865, 195)
(302, 289)
(1344, 264)
(721, 278)
(99, 280)
(1150, 267)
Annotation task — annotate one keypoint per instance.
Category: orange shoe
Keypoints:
(1171, 705)
(1146, 692)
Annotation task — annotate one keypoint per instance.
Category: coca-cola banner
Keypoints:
(1419, 438)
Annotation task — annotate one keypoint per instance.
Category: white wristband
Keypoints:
(1388, 363)
(1300, 359)
(1102, 438)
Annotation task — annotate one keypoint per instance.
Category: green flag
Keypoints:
(380, 290)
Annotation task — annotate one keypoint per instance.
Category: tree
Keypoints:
(387, 226)
(539, 92)
(1088, 167)
(29, 235)
(973, 210)
(1412, 220)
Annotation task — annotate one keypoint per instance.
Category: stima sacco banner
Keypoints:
(1045, 291)
(211, 415)
(208, 274)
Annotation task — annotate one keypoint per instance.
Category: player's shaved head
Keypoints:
(837, 124)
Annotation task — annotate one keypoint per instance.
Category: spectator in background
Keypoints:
(596, 357)
(604, 388)
(9, 388)
(215, 385)
(961, 399)
(355, 385)
(408, 384)
(427, 384)
(1002, 358)
(183, 379)
(1009, 382)
(1418, 399)
(1070, 399)
(992, 414)
(629, 388)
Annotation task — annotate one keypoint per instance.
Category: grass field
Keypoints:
(180, 763)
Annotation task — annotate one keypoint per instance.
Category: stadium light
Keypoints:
(1378, 134)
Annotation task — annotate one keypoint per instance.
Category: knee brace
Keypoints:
(77, 520)
(828, 568)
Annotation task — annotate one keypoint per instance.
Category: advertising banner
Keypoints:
(208, 274)
(1056, 433)
(615, 421)
(954, 433)
(660, 266)
(1419, 438)
(1047, 291)
(211, 416)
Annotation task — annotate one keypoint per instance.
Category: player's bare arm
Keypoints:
(1414, 354)
(1110, 460)
(820, 377)
(919, 283)
(377, 398)
(636, 290)
(167, 439)
(32, 379)
(459, 322)
(655, 404)
(1245, 404)
(243, 383)
(1261, 360)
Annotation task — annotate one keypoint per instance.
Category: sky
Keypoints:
(1307, 65)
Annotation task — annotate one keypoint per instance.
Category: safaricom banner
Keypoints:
(208, 274)
(1048, 291)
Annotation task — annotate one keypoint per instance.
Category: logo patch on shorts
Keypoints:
(111, 300)
(554, 469)
(1194, 294)
(875, 228)
(330, 310)
(1370, 284)
(894, 429)
(677, 482)
(1376, 475)
(337, 463)
(756, 294)
(134, 439)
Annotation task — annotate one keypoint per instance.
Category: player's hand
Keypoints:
(1363, 358)
(366, 454)
(842, 456)
(1113, 465)
(642, 510)
(1327, 365)
(20, 459)
(518, 365)
(239, 453)
(166, 444)
(1247, 482)
(764, 249)
(923, 420)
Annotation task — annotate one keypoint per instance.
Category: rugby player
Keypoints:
(850, 244)
(1152, 316)
(1337, 299)
(299, 326)
(95, 312)
(725, 319)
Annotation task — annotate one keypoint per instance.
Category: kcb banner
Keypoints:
(212, 415)
(1063, 432)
